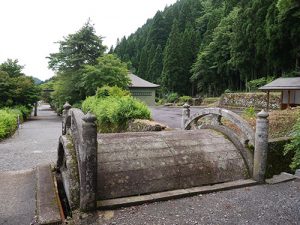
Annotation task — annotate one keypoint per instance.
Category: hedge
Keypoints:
(9, 119)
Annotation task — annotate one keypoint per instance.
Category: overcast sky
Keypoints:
(29, 28)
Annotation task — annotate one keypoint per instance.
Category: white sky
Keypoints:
(29, 28)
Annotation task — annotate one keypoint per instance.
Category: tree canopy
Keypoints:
(77, 50)
(218, 45)
(81, 67)
(15, 87)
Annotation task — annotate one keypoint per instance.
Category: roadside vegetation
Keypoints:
(82, 68)
(114, 109)
(18, 93)
(294, 146)
(9, 119)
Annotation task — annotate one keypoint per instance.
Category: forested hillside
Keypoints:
(208, 46)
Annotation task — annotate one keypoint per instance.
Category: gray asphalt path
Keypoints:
(260, 205)
(170, 116)
(35, 142)
(17, 197)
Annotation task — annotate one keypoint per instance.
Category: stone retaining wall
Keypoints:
(245, 100)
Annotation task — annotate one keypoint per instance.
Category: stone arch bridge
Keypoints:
(106, 170)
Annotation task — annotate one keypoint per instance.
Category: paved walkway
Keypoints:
(35, 142)
(170, 116)
(17, 197)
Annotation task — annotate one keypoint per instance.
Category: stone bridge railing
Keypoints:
(257, 140)
(95, 166)
(80, 132)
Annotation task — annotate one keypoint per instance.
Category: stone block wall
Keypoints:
(245, 100)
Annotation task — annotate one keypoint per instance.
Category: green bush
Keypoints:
(114, 91)
(184, 99)
(113, 112)
(160, 101)
(8, 122)
(253, 85)
(77, 105)
(294, 146)
(172, 97)
(23, 111)
(250, 112)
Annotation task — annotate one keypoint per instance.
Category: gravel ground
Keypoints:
(35, 142)
(262, 204)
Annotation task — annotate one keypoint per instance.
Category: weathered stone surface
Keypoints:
(47, 200)
(134, 200)
(139, 163)
(283, 177)
(261, 146)
(244, 100)
(246, 129)
(140, 125)
(83, 132)
(68, 167)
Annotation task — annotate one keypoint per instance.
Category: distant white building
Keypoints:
(142, 89)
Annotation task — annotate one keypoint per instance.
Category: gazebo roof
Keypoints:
(289, 83)
(140, 83)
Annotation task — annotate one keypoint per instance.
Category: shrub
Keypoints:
(114, 112)
(250, 112)
(294, 146)
(114, 91)
(253, 85)
(77, 105)
(23, 111)
(184, 99)
(160, 101)
(172, 97)
(8, 122)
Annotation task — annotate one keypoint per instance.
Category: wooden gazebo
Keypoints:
(289, 88)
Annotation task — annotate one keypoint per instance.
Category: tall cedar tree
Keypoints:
(172, 64)
(77, 50)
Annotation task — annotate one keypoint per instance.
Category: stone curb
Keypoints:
(47, 201)
(167, 195)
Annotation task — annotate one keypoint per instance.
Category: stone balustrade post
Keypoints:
(261, 146)
(185, 114)
(88, 170)
(35, 108)
(65, 114)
